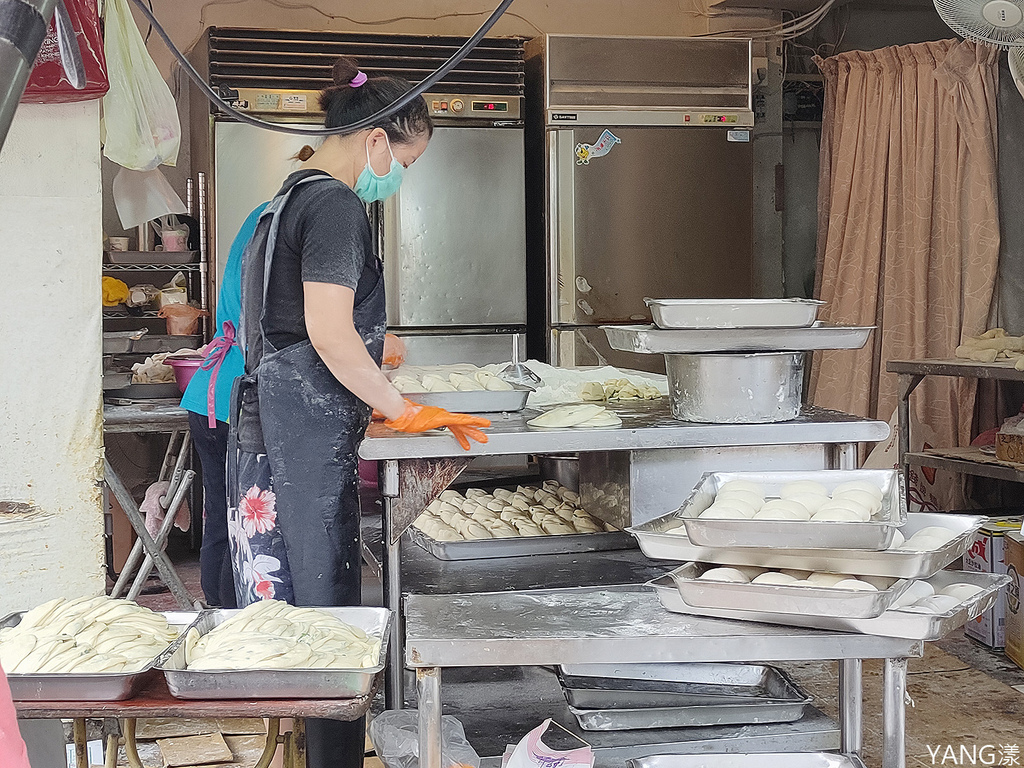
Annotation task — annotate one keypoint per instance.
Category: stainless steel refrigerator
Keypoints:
(453, 239)
(639, 184)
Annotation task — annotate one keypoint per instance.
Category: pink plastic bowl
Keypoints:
(184, 370)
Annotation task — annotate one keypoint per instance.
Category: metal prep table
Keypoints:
(149, 417)
(416, 468)
(156, 701)
(628, 624)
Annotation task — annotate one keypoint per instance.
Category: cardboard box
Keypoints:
(986, 555)
(1014, 549)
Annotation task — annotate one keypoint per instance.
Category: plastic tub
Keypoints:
(184, 369)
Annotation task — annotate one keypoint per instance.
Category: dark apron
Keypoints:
(299, 425)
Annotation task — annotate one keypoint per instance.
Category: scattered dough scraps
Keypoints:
(580, 416)
(992, 346)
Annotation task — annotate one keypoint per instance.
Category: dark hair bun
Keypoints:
(344, 71)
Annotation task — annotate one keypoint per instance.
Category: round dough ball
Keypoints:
(722, 512)
(878, 582)
(922, 544)
(750, 571)
(865, 499)
(820, 579)
(935, 532)
(797, 575)
(836, 516)
(724, 574)
(914, 609)
(754, 500)
(939, 604)
(778, 579)
(898, 540)
(857, 485)
(917, 591)
(961, 591)
(782, 509)
(811, 501)
(799, 487)
(742, 485)
(856, 585)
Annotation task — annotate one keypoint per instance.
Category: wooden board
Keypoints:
(207, 749)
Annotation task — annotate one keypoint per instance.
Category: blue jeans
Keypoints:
(214, 561)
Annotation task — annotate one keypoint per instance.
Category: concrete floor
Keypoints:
(962, 692)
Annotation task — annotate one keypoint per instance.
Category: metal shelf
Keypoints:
(967, 464)
(152, 315)
(153, 267)
(963, 368)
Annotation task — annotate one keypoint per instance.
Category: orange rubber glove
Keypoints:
(420, 418)
(394, 350)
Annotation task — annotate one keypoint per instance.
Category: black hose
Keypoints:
(367, 122)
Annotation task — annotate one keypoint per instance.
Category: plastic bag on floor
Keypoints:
(395, 736)
(531, 752)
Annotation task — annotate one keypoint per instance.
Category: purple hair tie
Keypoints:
(358, 80)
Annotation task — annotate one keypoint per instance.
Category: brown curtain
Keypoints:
(908, 231)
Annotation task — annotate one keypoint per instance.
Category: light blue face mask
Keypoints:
(370, 187)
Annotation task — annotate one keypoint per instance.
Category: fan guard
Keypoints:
(998, 22)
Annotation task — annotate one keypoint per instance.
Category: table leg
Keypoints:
(131, 509)
(907, 383)
(273, 731)
(394, 683)
(428, 689)
(174, 503)
(851, 705)
(894, 696)
(81, 743)
(847, 456)
(295, 745)
(131, 749)
(113, 744)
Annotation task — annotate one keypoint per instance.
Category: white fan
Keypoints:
(998, 22)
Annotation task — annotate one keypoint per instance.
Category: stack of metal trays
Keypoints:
(522, 546)
(98, 686)
(894, 622)
(185, 683)
(622, 697)
(768, 760)
(651, 340)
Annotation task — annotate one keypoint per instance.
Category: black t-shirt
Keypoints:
(324, 237)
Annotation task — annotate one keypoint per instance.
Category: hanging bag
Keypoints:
(139, 115)
(49, 83)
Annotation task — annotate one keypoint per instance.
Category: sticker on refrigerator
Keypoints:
(587, 152)
(294, 102)
(741, 136)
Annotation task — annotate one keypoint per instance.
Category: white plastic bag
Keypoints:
(395, 736)
(531, 752)
(140, 119)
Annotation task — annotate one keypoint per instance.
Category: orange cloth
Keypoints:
(420, 418)
(12, 747)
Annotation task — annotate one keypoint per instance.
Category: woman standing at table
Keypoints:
(313, 321)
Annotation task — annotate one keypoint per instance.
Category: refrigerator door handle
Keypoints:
(562, 222)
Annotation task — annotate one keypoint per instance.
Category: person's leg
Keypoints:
(211, 445)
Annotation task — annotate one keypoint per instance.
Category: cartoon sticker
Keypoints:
(586, 152)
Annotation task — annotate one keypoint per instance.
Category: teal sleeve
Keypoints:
(229, 308)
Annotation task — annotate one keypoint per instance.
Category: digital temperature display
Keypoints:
(490, 106)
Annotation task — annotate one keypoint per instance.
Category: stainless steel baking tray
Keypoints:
(675, 685)
(766, 760)
(892, 623)
(121, 342)
(277, 683)
(782, 599)
(145, 392)
(793, 534)
(651, 340)
(722, 713)
(733, 313)
(475, 402)
(658, 544)
(150, 257)
(482, 549)
(159, 343)
(100, 686)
